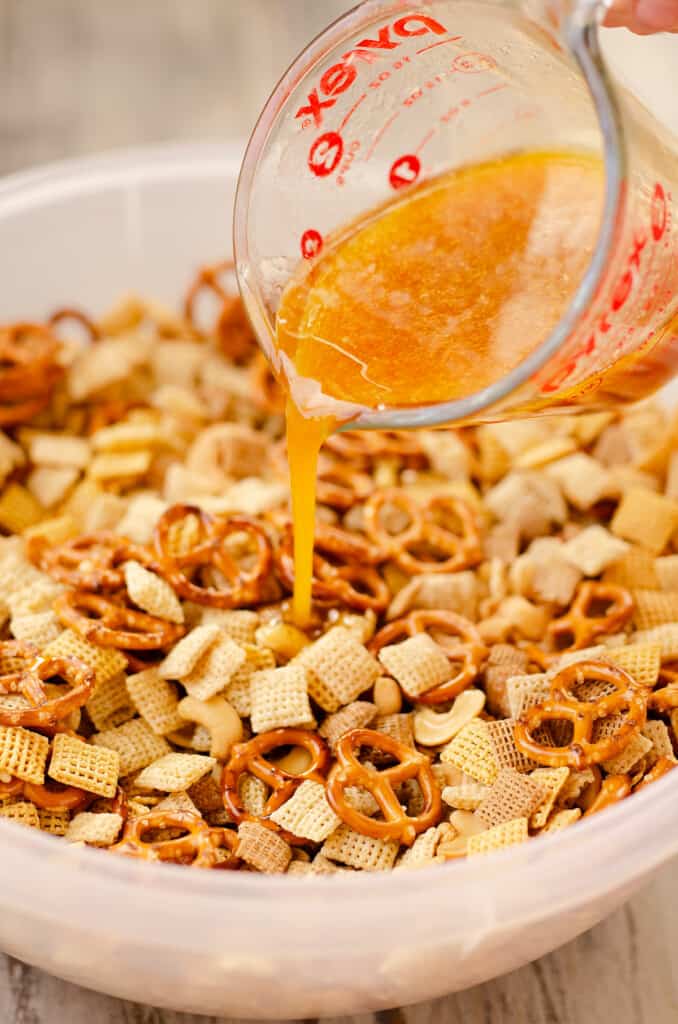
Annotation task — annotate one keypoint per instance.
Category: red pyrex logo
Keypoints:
(340, 77)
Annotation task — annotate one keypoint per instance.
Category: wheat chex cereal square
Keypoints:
(185, 655)
(666, 636)
(54, 822)
(526, 691)
(174, 772)
(635, 570)
(240, 624)
(666, 569)
(106, 661)
(636, 749)
(206, 794)
(359, 714)
(19, 509)
(507, 755)
(215, 669)
(77, 763)
(340, 668)
(238, 691)
(423, 849)
(23, 753)
(561, 819)
(418, 664)
(467, 796)
(152, 594)
(398, 727)
(279, 698)
(658, 734)
(307, 813)
(156, 700)
(95, 829)
(22, 812)
(583, 480)
(499, 837)
(179, 802)
(359, 851)
(552, 782)
(472, 752)
(645, 518)
(136, 744)
(262, 848)
(512, 796)
(109, 704)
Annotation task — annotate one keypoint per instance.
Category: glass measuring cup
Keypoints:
(393, 94)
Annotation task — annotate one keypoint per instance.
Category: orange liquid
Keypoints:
(431, 298)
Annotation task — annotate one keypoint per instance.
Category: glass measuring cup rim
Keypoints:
(580, 32)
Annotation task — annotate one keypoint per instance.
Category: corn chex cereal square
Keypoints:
(240, 623)
(156, 701)
(215, 669)
(552, 781)
(109, 704)
(583, 480)
(22, 812)
(307, 813)
(18, 509)
(356, 715)
(660, 737)
(38, 628)
(423, 849)
(594, 549)
(253, 794)
(339, 667)
(136, 744)
(418, 664)
(262, 848)
(257, 659)
(561, 819)
(654, 608)
(106, 661)
(645, 518)
(509, 833)
(641, 661)
(467, 796)
(512, 796)
(280, 698)
(152, 594)
(94, 829)
(89, 767)
(635, 570)
(472, 752)
(23, 753)
(359, 851)
(666, 636)
(185, 655)
(174, 772)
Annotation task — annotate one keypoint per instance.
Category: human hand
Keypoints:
(643, 17)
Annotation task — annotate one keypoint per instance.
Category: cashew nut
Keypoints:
(387, 696)
(219, 718)
(295, 762)
(432, 728)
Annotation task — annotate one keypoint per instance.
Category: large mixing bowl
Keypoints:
(241, 944)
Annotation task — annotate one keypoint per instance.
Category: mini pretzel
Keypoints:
(29, 369)
(367, 445)
(414, 547)
(613, 789)
(628, 699)
(198, 848)
(70, 313)
(583, 627)
(104, 621)
(343, 568)
(45, 712)
(341, 486)
(666, 698)
(266, 389)
(250, 757)
(232, 327)
(458, 637)
(348, 771)
(12, 650)
(662, 766)
(93, 561)
(184, 571)
(55, 797)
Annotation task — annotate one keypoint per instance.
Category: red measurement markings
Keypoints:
(325, 154)
(311, 244)
(427, 138)
(441, 42)
(379, 135)
(352, 111)
(473, 63)
(493, 88)
(405, 171)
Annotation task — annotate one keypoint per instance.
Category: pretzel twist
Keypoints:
(250, 758)
(94, 561)
(458, 637)
(198, 848)
(349, 771)
(29, 369)
(629, 699)
(231, 327)
(584, 627)
(104, 621)
(46, 712)
(184, 571)
(415, 546)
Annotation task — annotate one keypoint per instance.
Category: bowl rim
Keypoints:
(618, 829)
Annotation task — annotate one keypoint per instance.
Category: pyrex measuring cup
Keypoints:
(395, 93)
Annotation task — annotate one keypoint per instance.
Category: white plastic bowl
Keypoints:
(247, 945)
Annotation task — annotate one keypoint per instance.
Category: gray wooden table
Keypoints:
(82, 75)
